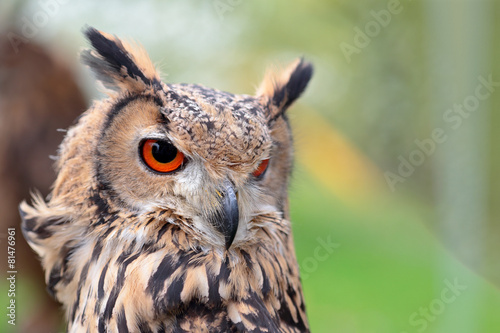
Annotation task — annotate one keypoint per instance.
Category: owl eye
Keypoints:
(261, 169)
(161, 156)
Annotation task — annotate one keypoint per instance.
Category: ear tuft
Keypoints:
(281, 90)
(120, 66)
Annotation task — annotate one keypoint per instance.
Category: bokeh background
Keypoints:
(395, 198)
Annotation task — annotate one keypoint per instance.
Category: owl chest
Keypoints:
(170, 286)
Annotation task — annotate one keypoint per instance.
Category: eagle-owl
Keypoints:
(170, 208)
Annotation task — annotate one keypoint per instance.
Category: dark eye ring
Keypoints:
(161, 156)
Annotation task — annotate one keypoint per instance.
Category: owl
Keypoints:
(170, 208)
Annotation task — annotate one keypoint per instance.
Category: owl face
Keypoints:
(215, 158)
(175, 150)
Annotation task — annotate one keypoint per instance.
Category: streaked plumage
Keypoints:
(204, 248)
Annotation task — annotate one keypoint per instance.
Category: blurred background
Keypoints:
(395, 198)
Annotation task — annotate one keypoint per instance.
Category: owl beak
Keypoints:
(226, 219)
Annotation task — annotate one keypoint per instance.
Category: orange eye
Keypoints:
(261, 169)
(161, 156)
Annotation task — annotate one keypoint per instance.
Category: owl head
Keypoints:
(214, 158)
(209, 168)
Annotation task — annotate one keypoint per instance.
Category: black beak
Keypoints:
(226, 219)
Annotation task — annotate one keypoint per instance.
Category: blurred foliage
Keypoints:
(396, 248)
